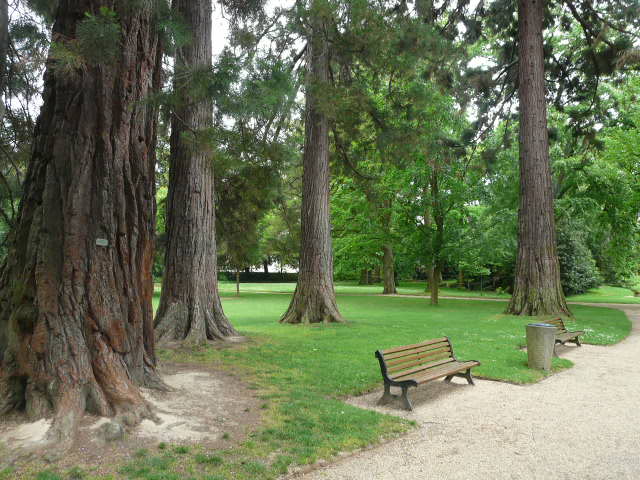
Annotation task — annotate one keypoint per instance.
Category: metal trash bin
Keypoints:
(541, 339)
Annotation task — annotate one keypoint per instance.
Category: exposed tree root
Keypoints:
(107, 391)
(193, 326)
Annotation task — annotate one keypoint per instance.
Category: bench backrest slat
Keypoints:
(558, 323)
(420, 362)
(415, 345)
(399, 362)
(414, 359)
(421, 368)
(414, 351)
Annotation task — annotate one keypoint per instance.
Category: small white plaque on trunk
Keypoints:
(102, 242)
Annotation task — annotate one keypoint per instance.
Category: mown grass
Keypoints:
(346, 287)
(302, 373)
(603, 294)
(607, 294)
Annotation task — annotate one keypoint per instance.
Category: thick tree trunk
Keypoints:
(75, 293)
(388, 270)
(265, 266)
(237, 283)
(190, 308)
(4, 48)
(314, 299)
(537, 288)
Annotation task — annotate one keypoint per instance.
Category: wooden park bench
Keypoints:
(413, 365)
(562, 335)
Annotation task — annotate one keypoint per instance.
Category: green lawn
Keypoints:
(405, 288)
(607, 294)
(603, 294)
(301, 373)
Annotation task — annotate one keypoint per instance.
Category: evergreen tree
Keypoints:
(76, 288)
(537, 287)
(314, 299)
(190, 307)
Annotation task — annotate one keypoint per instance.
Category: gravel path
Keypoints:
(583, 423)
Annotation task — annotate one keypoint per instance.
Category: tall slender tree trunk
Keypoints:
(437, 243)
(4, 48)
(190, 308)
(537, 288)
(76, 288)
(388, 270)
(388, 260)
(314, 300)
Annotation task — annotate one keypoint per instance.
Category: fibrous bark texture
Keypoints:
(388, 270)
(314, 300)
(190, 308)
(76, 289)
(4, 46)
(537, 288)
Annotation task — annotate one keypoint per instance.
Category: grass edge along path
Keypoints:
(301, 374)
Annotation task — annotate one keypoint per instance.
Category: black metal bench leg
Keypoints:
(578, 342)
(469, 377)
(448, 378)
(405, 399)
(386, 397)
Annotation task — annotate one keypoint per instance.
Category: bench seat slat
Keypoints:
(568, 335)
(409, 347)
(446, 369)
(418, 356)
(413, 351)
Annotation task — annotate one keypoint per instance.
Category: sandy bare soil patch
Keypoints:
(206, 407)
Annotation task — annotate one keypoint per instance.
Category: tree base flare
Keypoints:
(193, 326)
(315, 307)
(538, 302)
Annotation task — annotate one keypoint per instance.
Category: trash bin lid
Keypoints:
(548, 325)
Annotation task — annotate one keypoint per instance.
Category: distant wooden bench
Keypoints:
(413, 365)
(562, 335)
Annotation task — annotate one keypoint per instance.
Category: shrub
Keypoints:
(578, 270)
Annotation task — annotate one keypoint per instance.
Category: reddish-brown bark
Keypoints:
(537, 288)
(314, 300)
(190, 307)
(76, 290)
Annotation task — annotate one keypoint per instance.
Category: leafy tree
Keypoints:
(537, 288)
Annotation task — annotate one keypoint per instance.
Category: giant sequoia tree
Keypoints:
(537, 287)
(314, 300)
(190, 307)
(76, 326)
